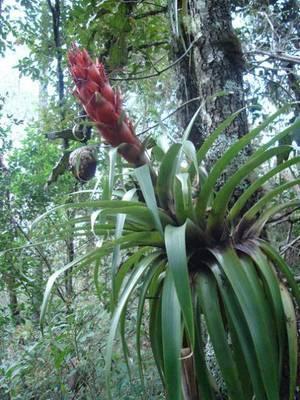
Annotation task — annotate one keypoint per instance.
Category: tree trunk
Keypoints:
(213, 65)
(212, 71)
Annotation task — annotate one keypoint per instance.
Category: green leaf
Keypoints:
(206, 146)
(258, 225)
(259, 294)
(219, 205)
(205, 386)
(130, 263)
(109, 181)
(145, 182)
(227, 157)
(188, 129)
(183, 198)
(250, 214)
(151, 275)
(155, 327)
(143, 216)
(94, 204)
(134, 279)
(190, 151)
(177, 260)
(242, 200)
(279, 262)
(252, 303)
(282, 134)
(291, 327)
(166, 176)
(209, 303)
(171, 338)
(98, 285)
(241, 329)
(272, 284)
(118, 233)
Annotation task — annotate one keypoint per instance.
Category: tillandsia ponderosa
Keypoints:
(104, 106)
(196, 257)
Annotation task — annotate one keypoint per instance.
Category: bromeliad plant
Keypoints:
(199, 261)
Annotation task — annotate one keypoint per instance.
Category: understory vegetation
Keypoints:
(149, 204)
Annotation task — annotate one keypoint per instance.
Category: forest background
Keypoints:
(167, 60)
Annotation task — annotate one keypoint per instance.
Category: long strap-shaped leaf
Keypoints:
(171, 338)
(206, 386)
(151, 275)
(108, 184)
(94, 204)
(134, 279)
(183, 198)
(272, 284)
(141, 215)
(279, 262)
(250, 214)
(281, 134)
(266, 314)
(205, 147)
(255, 317)
(208, 297)
(258, 226)
(118, 233)
(219, 206)
(130, 262)
(210, 140)
(177, 259)
(227, 157)
(241, 328)
(145, 182)
(166, 176)
(291, 327)
(242, 200)
(155, 323)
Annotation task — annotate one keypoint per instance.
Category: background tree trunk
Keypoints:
(214, 64)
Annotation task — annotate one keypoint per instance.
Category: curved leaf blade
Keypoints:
(242, 200)
(145, 182)
(171, 338)
(255, 317)
(219, 205)
(291, 327)
(177, 260)
(209, 303)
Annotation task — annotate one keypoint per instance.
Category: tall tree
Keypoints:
(212, 68)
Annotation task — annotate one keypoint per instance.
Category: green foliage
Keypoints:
(68, 360)
(202, 265)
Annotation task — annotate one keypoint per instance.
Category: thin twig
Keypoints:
(40, 253)
(280, 218)
(169, 115)
(286, 247)
(277, 55)
(136, 78)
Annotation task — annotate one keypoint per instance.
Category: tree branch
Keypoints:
(278, 56)
(151, 13)
(136, 78)
(147, 45)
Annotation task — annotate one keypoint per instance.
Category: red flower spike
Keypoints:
(104, 105)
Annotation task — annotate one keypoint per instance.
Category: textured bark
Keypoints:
(214, 64)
